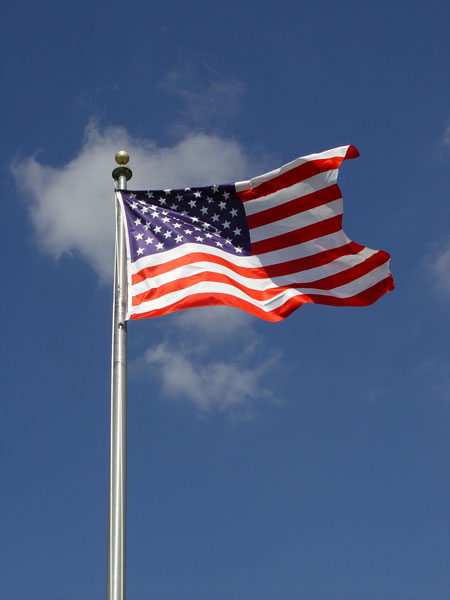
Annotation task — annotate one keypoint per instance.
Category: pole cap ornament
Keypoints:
(122, 157)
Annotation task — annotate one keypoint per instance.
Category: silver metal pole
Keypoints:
(116, 566)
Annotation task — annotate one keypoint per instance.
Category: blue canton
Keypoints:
(159, 220)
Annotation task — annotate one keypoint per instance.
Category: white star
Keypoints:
(215, 188)
(177, 225)
(132, 195)
(149, 240)
(139, 251)
(145, 209)
(167, 192)
(208, 235)
(150, 194)
(147, 226)
(205, 226)
(228, 241)
(138, 222)
(188, 231)
(134, 205)
(226, 224)
(199, 238)
(219, 244)
(174, 206)
(209, 199)
(157, 229)
(168, 234)
(165, 220)
(226, 195)
(192, 203)
(187, 189)
(162, 200)
(204, 210)
(179, 197)
(222, 205)
(215, 217)
(155, 214)
(238, 249)
(237, 231)
(194, 219)
(233, 212)
(179, 239)
(159, 246)
(198, 194)
(139, 236)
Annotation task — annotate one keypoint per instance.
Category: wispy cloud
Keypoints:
(436, 264)
(215, 325)
(71, 207)
(446, 137)
(212, 385)
(205, 94)
(213, 360)
(438, 373)
(438, 268)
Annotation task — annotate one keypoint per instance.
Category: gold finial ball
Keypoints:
(122, 157)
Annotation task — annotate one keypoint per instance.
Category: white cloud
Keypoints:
(213, 323)
(71, 207)
(186, 366)
(439, 268)
(446, 136)
(439, 370)
(211, 385)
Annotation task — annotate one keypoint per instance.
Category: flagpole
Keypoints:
(116, 561)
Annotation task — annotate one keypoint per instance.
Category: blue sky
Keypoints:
(306, 459)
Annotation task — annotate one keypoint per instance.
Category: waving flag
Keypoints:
(267, 245)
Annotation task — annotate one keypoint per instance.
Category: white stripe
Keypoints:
(337, 266)
(206, 287)
(255, 181)
(346, 291)
(294, 222)
(186, 249)
(327, 242)
(298, 190)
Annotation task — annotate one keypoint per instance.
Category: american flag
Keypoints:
(267, 245)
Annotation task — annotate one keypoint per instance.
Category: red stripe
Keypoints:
(326, 283)
(186, 282)
(299, 236)
(310, 262)
(276, 270)
(291, 177)
(192, 258)
(293, 207)
(205, 299)
(343, 277)
(296, 174)
(365, 298)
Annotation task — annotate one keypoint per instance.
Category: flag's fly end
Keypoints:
(352, 152)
